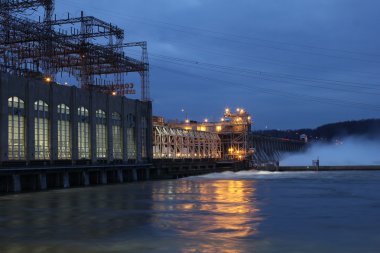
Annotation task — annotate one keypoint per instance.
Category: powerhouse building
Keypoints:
(50, 124)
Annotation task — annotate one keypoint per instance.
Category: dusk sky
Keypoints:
(290, 63)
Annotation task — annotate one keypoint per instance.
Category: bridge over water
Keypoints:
(171, 143)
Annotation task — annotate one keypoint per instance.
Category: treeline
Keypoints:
(369, 128)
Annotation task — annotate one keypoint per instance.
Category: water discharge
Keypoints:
(349, 151)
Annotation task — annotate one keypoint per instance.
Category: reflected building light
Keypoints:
(48, 79)
(233, 212)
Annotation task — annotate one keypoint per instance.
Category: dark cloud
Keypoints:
(282, 37)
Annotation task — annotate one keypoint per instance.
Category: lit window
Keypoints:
(41, 131)
(117, 136)
(131, 141)
(101, 135)
(16, 129)
(201, 128)
(83, 134)
(64, 132)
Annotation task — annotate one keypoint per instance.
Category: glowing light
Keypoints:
(206, 120)
(222, 119)
(227, 110)
(48, 79)
(187, 121)
(218, 128)
(238, 109)
(201, 128)
(114, 93)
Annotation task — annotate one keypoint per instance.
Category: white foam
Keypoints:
(254, 174)
(351, 151)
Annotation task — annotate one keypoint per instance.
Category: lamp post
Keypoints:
(186, 119)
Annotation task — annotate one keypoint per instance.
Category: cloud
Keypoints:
(260, 36)
(182, 4)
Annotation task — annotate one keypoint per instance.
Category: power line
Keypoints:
(277, 61)
(270, 61)
(268, 76)
(338, 102)
(228, 36)
(263, 74)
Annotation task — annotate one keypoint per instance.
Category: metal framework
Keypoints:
(233, 130)
(173, 143)
(272, 150)
(85, 47)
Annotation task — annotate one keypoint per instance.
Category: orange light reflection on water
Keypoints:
(213, 214)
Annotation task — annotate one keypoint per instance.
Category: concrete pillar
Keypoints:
(150, 130)
(103, 177)
(66, 180)
(3, 117)
(92, 122)
(110, 154)
(134, 175)
(42, 181)
(120, 178)
(147, 174)
(57, 180)
(138, 131)
(53, 113)
(124, 114)
(29, 121)
(85, 178)
(74, 126)
(16, 183)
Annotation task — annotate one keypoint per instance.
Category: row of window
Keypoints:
(17, 140)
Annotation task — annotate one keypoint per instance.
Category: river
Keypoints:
(228, 212)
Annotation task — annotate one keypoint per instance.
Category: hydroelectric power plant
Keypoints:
(57, 135)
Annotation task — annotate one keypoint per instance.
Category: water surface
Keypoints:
(228, 212)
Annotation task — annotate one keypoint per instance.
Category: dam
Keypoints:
(70, 117)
